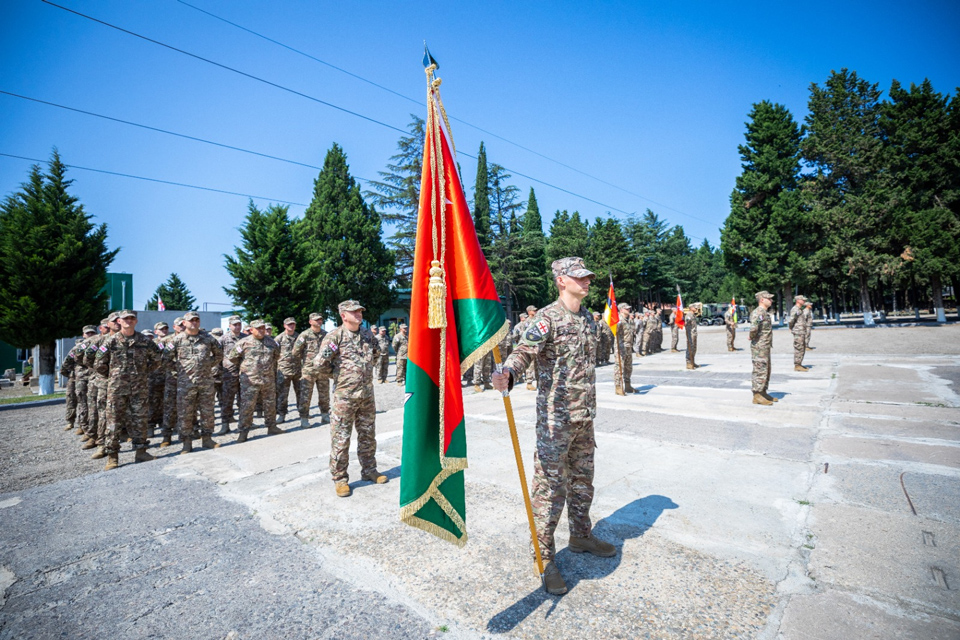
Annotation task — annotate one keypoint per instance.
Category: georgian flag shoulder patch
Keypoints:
(103, 348)
(542, 327)
(333, 346)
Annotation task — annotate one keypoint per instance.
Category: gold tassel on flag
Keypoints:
(436, 298)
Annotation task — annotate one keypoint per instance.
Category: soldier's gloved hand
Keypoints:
(501, 381)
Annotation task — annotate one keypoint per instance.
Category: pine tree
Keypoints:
(511, 271)
(343, 235)
(846, 193)
(272, 276)
(678, 266)
(398, 197)
(646, 236)
(481, 203)
(53, 265)
(569, 236)
(533, 248)
(175, 295)
(609, 254)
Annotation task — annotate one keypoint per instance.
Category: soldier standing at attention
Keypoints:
(75, 369)
(195, 353)
(400, 342)
(798, 328)
(730, 321)
(808, 322)
(626, 336)
(256, 359)
(761, 341)
(674, 330)
(606, 341)
(230, 375)
(127, 358)
(305, 349)
(690, 326)
(170, 422)
(351, 351)
(158, 381)
(383, 342)
(561, 339)
(288, 369)
(98, 406)
(531, 374)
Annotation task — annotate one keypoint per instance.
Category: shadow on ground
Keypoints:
(627, 522)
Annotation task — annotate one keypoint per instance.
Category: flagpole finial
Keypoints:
(428, 59)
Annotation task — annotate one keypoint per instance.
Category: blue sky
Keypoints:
(647, 96)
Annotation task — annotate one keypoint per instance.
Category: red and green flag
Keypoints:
(733, 303)
(679, 321)
(611, 315)
(451, 286)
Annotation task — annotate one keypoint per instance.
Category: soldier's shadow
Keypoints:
(629, 521)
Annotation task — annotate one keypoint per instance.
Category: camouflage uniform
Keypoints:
(230, 378)
(506, 344)
(690, 327)
(97, 389)
(761, 341)
(530, 375)
(728, 320)
(157, 385)
(305, 350)
(383, 342)
(646, 341)
(400, 342)
(76, 372)
(351, 356)
(481, 371)
(564, 345)
(195, 357)
(626, 335)
(674, 330)
(807, 324)
(255, 360)
(170, 420)
(606, 343)
(127, 361)
(797, 328)
(288, 373)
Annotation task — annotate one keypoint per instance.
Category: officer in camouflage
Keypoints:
(530, 375)
(761, 341)
(690, 324)
(255, 357)
(626, 335)
(729, 320)
(675, 330)
(305, 349)
(288, 369)
(400, 342)
(98, 404)
(158, 381)
(808, 322)
(127, 358)
(561, 338)
(74, 368)
(229, 375)
(350, 353)
(383, 342)
(195, 353)
(797, 326)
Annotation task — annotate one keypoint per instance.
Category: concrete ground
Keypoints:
(833, 514)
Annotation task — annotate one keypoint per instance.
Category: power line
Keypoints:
(418, 102)
(158, 180)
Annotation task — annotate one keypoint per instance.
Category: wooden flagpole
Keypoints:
(508, 406)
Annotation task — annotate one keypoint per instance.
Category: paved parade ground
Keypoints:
(833, 514)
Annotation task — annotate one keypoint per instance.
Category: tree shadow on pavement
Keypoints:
(627, 522)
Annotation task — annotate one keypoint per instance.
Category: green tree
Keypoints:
(924, 174)
(609, 253)
(646, 236)
(569, 236)
(343, 236)
(481, 203)
(397, 195)
(677, 262)
(174, 294)
(53, 266)
(846, 192)
(273, 277)
(533, 248)
(511, 272)
(767, 235)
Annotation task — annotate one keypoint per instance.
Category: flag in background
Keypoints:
(160, 305)
(733, 303)
(610, 313)
(680, 322)
(434, 452)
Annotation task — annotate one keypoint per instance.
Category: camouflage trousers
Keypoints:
(563, 475)
(284, 382)
(193, 397)
(401, 369)
(530, 375)
(307, 385)
(71, 393)
(623, 369)
(169, 422)
(603, 351)
(646, 343)
(382, 368)
(83, 407)
(229, 392)
(799, 347)
(482, 369)
(808, 338)
(97, 408)
(731, 335)
(691, 345)
(760, 379)
(350, 413)
(127, 408)
(158, 383)
(674, 336)
(250, 395)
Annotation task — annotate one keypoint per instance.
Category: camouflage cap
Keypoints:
(403, 326)
(289, 321)
(232, 320)
(623, 306)
(105, 322)
(572, 267)
(160, 325)
(764, 294)
(382, 329)
(127, 313)
(696, 305)
(316, 316)
(531, 308)
(350, 305)
(89, 329)
(112, 317)
(216, 332)
(258, 323)
(147, 332)
(178, 321)
(191, 315)
(800, 298)
(808, 303)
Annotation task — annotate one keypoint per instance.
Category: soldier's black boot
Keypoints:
(187, 446)
(274, 430)
(143, 456)
(241, 437)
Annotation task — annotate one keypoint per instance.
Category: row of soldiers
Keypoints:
(169, 380)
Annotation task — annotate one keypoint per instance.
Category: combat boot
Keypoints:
(800, 367)
(224, 429)
(770, 397)
(553, 581)
(69, 427)
(208, 443)
(143, 456)
(99, 453)
(629, 389)
(731, 349)
(79, 431)
(487, 386)
(281, 418)
(759, 399)
(304, 423)
(343, 490)
(113, 461)
(274, 430)
(324, 418)
(691, 366)
(477, 388)
(375, 476)
(241, 437)
(90, 444)
(674, 350)
(166, 441)
(530, 387)
(187, 446)
(593, 546)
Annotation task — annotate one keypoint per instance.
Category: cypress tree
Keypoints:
(53, 266)
(175, 296)
(272, 275)
(481, 203)
(609, 254)
(569, 236)
(343, 235)
(533, 248)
